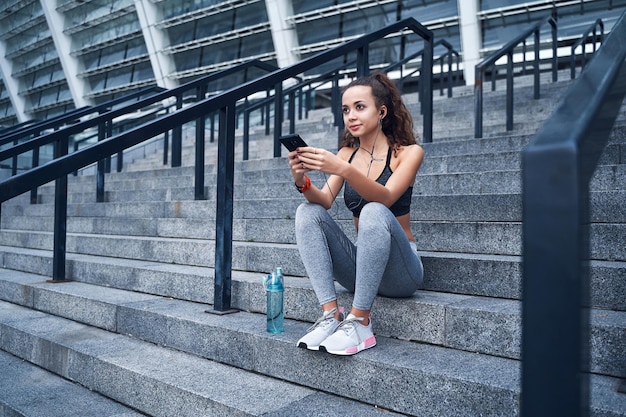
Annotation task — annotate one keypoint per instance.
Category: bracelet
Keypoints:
(306, 186)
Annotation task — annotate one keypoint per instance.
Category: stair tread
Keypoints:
(472, 373)
(446, 318)
(154, 379)
(27, 390)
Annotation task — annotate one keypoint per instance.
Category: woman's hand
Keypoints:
(316, 159)
(297, 167)
(306, 159)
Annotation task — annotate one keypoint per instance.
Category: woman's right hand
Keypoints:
(297, 168)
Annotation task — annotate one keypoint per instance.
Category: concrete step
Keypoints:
(191, 331)
(454, 273)
(29, 391)
(606, 207)
(497, 238)
(154, 379)
(468, 323)
(481, 170)
(274, 183)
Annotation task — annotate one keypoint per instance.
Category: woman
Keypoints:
(377, 162)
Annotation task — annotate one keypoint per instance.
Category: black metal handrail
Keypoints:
(556, 169)
(304, 87)
(26, 131)
(106, 113)
(343, 71)
(104, 122)
(71, 117)
(450, 53)
(590, 33)
(226, 105)
(508, 50)
(19, 126)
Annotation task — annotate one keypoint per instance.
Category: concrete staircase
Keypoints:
(130, 335)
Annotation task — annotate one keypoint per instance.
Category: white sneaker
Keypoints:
(320, 330)
(350, 337)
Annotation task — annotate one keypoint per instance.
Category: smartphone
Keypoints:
(292, 141)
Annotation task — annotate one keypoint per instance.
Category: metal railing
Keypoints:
(19, 126)
(225, 104)
(303, 90)
(27, 131)
(590, 34)
(556, 170)
(508, 50)
(104, 123)
(37, 128)
(445, 72)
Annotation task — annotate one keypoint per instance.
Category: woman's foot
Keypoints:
(351, 337)
(320, 330)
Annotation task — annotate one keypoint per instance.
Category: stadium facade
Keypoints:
(58, 55)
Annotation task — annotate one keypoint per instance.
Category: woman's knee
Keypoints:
(308, 213)
(374, 215)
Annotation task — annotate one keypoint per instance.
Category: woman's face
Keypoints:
(360, 114)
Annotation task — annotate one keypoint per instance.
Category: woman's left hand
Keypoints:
(316, 159)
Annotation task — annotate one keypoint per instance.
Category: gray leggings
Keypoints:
(385, 263)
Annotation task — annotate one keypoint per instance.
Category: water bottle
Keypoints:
(274, 290)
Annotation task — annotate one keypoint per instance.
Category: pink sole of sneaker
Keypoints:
(366, 344)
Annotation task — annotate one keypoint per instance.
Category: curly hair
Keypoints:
(397, 125)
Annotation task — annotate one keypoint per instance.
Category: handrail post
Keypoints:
(33, 192)
(212, 127)
(224, 211)
(362, 61)
(300, 103)
(166, 146)
(509, 91)
(14, 160)
(555, 57)
(291, 110)
(100, 166)
(450, 73)
(199, 193)
(108, 133)
(246, 134)
(426, 79)
(307, 102)
(478, 101)
(60, 219)
(335, 102)
(119, 162)
(555, 332)
(278, 117)
(177, 137)
(536, 67)
(267, 114)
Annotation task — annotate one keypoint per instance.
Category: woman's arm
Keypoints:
(308, 159)
(404, 166)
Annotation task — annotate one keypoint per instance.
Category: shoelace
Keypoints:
(327, 316)
(348, 324)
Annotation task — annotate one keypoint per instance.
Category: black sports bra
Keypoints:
(355, 202)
